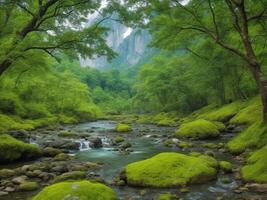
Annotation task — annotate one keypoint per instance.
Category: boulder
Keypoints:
(96, 143)
(28, 186)
(51, 152)
(170, 169)
(7, 173)
(77, 190)
(74, 175)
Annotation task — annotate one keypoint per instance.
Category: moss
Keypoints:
(73, 175)
(119, 139)
(28, 186)
(12, 149)
(184, 144)
(256, 168)
(254, 136)
(224, 113)
(210, 145)
(168, 143)
(198, 129)
(83, 190)
(165, 197)
(250, 114)
(171, 169)
(166, 122)
(226, 166)
(123, 128)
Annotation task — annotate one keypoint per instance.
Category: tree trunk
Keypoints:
(262, 84)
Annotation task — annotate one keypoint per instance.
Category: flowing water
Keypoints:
(146, 141)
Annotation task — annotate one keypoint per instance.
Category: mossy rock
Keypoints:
(226, 166)
(198, 129)
(51, 152)
(73, 175)
(12, 150)
(167, 196)
(119, 139)
(7, 173)
(256, 168)
(185, 144)
(168, 143)
(170, 170)
(83, 190)
(28, 186)
(210, 145)
(166, 122)
(67, 134)
(255, 136)
(123, 128)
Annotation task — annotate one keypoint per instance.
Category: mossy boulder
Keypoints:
(28, 186)
(226, 166)
(123, 128)
(199, 129)
(73, 175)
(51, 152)
(119, 139)
(7, 173)
(83, 190)
(256, 168)
(170, 170)
(255, 136)
(166, 196)
(12, 150)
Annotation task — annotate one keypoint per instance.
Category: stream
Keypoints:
(146, 141)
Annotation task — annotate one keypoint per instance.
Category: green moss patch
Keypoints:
(83, 190)
(12, 149)
(250, 114)
(224, 113)
(199, 129)
(256, 168)
(226, 166)
(123, 128)
(170, 170)
(254, 136)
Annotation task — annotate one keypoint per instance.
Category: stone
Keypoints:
(19, 180)
(51, 152)
(7, 173)
(96, 143)
(28, 186)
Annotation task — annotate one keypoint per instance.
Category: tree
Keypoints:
(50, 26)
(239, 26)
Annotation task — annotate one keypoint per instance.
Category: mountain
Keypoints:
(130, 45)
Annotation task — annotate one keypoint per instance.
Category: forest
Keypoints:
(133, 99)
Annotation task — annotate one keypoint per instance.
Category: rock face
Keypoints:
(170, 170)
(12, 150)
(76, 190)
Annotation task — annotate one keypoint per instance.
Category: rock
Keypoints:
(210, 153)
(28, 186)
(7, 173)
(19, 180)
(59, 168)
(74, 175)
(78, 167)
(256, 187)
(96, 143)
(12, 150)
(125, 145)
(210, 145)
(9, 189)
(45, 176)
(3, 193)
(155, 171)
(118, 139)
(62, 157)
(225, 166)
(184, 144)
(51, 152)
(77, 190)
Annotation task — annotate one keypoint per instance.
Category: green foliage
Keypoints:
(171, 169)
(256, 168)
(123, 128)
(12, 150)
(82, 190)
(255, 136)
(199, 129)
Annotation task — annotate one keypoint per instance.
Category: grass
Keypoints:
(199, 129)
(83, 190)
(170, 170)
(12, 149)
(256, 168)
